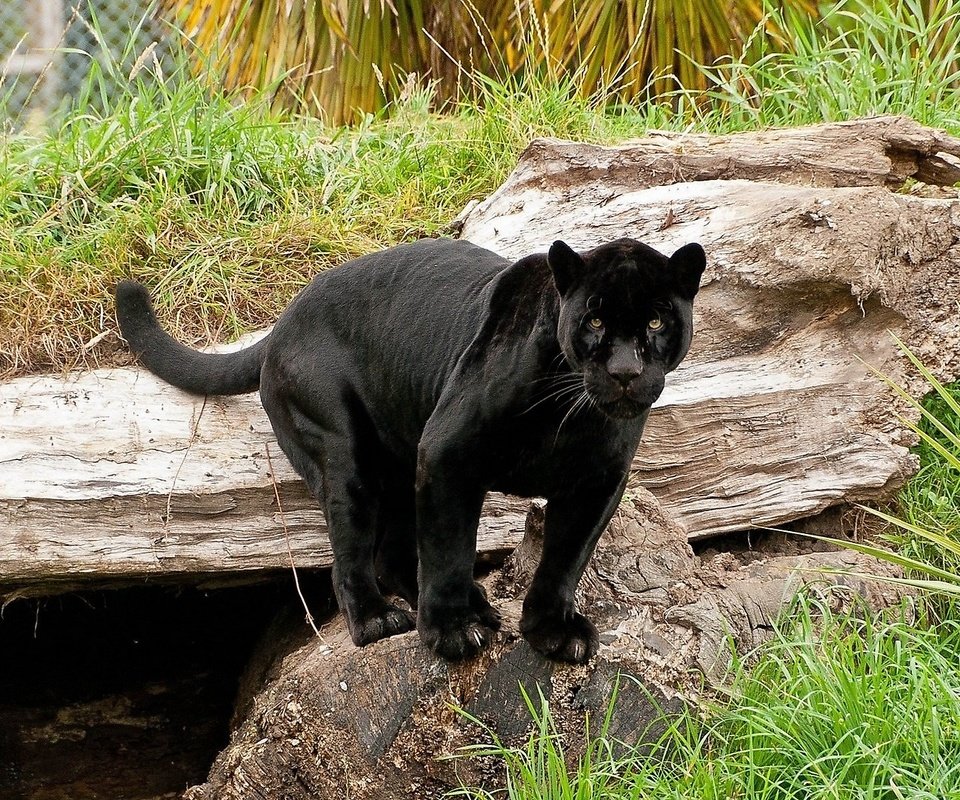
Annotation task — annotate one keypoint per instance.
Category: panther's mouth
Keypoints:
(624, 408)
(616, 404)
(617, 401)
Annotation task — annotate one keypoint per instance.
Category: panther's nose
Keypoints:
(624, 365)
(625, 376)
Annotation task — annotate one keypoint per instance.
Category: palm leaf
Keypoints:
(345, 59)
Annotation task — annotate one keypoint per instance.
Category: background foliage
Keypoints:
(343, 59)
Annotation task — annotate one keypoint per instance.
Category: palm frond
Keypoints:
(347, 59)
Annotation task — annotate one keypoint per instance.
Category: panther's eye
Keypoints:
(655, 324)
(596, 323)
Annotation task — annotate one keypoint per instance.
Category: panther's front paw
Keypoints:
(460, 626)
(460, 637)
(561, 636)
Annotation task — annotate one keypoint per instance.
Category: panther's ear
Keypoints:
(566, 265)
(689, 262)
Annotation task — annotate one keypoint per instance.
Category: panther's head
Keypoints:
(626, 318)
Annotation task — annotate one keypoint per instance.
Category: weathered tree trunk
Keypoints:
(113, 476)
(374, 723)
(813, 257)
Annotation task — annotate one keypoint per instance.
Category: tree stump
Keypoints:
(380, 722)
(820, 242)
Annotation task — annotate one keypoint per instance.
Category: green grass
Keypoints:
(854, 710)
(860, 58)
(931, 500)
(834, 708)
(539, 769)
(225, 207)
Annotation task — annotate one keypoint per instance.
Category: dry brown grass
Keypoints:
(209, 285)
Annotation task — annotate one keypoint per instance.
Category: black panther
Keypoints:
(406, 384)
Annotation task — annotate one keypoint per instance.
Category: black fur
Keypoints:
(406, 384)
(199, 373)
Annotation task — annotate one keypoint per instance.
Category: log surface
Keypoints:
(378, 723)
(812, 260)
(114, 475)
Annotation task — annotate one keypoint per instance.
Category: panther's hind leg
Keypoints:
(396, 559)
(337, 459)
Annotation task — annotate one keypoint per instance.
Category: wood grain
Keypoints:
(812, 260)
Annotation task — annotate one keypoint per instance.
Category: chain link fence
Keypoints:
(48, 47)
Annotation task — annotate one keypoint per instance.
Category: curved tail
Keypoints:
(187, 369)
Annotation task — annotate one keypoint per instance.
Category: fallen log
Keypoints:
(111, 475)
(381, 723)
(815, 255)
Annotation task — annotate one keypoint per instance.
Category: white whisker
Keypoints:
(566, 384)
(581, 402)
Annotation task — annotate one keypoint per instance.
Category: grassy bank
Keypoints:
(835, 708)
(226, 208)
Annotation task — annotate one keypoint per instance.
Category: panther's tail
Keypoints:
(192, 371)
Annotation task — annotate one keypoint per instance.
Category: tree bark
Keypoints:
(113, 476)
(380, 723)
(816, 253)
